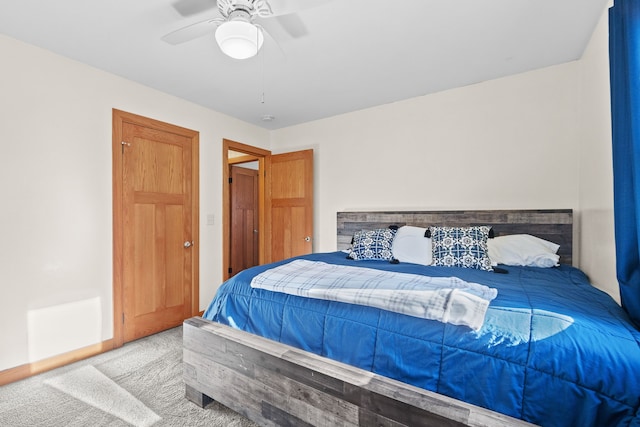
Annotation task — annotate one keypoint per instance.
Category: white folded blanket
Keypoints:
(445, 299)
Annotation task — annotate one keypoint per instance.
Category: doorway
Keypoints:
(285, 202)
(155, 225)
(236, 153)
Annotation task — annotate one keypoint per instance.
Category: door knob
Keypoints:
(188, 244)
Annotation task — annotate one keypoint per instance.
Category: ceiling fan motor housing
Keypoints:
(239, 15)
(252, 7)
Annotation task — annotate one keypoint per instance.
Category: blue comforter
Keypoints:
(553, 350)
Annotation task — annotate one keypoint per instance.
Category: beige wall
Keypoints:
(506, 143)
(55, 180)
(596, 174)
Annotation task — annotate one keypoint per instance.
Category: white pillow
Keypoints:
(410, 245)
(523, 250)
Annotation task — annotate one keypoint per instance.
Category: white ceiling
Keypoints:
(347, 54)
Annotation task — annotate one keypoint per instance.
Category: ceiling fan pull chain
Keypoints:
(262, 75)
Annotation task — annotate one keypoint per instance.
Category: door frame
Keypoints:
(118, 120)
(264, 160)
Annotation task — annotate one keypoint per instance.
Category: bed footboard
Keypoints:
(274, 385)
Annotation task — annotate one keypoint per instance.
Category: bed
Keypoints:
(552, 349)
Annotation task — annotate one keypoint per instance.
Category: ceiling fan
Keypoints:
(240, 27)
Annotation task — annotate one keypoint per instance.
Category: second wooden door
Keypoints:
(291, 204)
(245, 230)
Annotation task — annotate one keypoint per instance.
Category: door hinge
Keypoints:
(128, 144)
(123, 318)
(230, 270)
(230, 180)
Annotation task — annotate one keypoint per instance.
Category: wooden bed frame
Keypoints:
(275, 384)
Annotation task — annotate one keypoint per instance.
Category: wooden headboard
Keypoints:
(555, 225)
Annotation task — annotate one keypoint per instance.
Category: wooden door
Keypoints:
(291, 204)
(158, 227)
(244, 218)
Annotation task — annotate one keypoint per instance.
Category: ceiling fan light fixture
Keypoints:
(239, 39)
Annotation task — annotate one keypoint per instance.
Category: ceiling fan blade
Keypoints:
(192, 7)
(192, 31)
(293, 25)
(285, 27)
(286, 7)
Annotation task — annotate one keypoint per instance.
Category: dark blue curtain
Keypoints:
(624, 62)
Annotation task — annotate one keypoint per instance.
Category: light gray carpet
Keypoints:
(139, 384)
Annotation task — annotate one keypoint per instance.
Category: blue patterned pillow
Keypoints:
(461, 247)
(373, 245)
